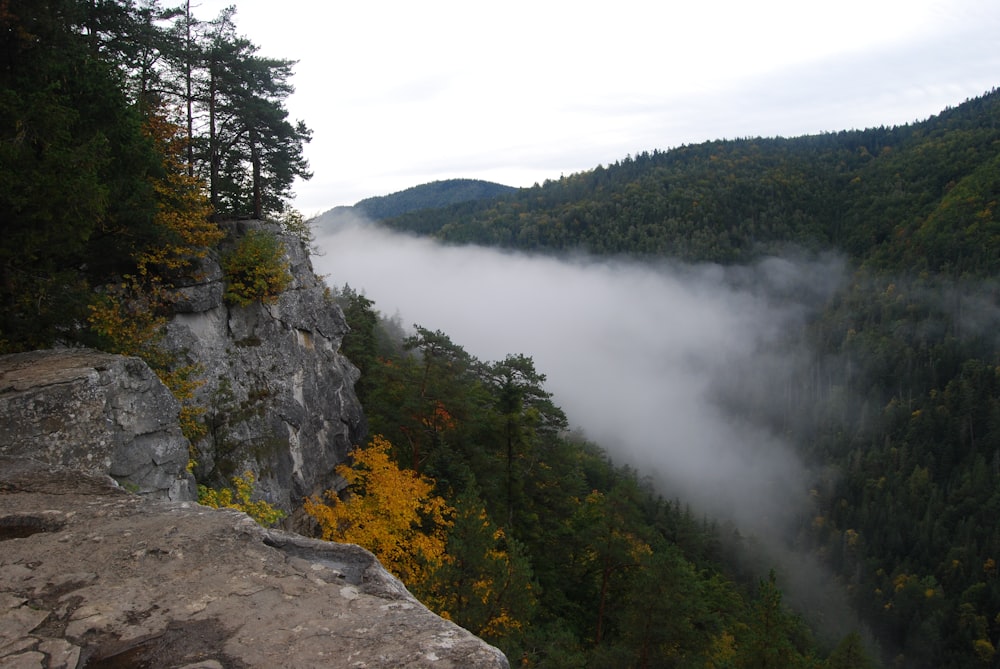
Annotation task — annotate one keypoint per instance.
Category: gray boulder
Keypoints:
(96, 412)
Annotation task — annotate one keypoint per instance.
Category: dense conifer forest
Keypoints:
(124, 127)
(907, 199)
(127, 127)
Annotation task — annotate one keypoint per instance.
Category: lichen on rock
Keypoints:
(98, 413)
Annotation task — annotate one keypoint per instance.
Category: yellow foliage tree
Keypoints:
(183, 212)
(390, 511)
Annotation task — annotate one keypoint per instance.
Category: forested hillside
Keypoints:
(911, 198)
(126, 128)
(532, 538)
(899, 414)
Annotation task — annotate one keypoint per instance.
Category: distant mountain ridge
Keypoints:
(433, 195)
(920, 196)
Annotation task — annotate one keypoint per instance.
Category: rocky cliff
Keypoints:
(278, 393)
(94, 577)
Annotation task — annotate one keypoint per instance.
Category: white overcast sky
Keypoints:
(400, 93)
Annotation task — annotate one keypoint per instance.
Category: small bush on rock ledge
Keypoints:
(223, 498)
(256, 269)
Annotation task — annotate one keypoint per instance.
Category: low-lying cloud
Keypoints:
(639, 356)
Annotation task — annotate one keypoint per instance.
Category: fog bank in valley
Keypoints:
(638, 355)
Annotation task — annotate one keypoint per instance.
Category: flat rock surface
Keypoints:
(92, 576)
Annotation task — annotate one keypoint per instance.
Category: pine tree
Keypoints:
(850, 653)
(254, 151)
(484, 582)
(770, 640)
(527, 412)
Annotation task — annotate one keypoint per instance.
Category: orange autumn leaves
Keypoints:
(183, 210)
(453, 558)
(129, 316)
(391, 512)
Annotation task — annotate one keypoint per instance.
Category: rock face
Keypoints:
(97, 413)
(92, 576)
(279, 395)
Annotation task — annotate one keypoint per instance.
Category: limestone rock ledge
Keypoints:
(92, 576)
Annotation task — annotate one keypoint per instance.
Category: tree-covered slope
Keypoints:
(892, 194)
(550, 550)
(554, 553)
(432, 195)
(898, 411)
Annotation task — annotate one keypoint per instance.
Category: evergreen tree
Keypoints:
(771, 640)
(484, 583)
(527, 413)
(75, 202)
(360, 345)
(850, 653)
(254, 151)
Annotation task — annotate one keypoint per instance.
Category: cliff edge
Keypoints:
(94, 577)
(107, 562)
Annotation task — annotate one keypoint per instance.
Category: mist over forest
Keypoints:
(644, 401)
(638, 354)
(765, 394)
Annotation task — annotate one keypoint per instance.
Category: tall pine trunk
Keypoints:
(258, 197)
(213, 139)
(189, 87)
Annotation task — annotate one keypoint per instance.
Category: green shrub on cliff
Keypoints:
(256, 269)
